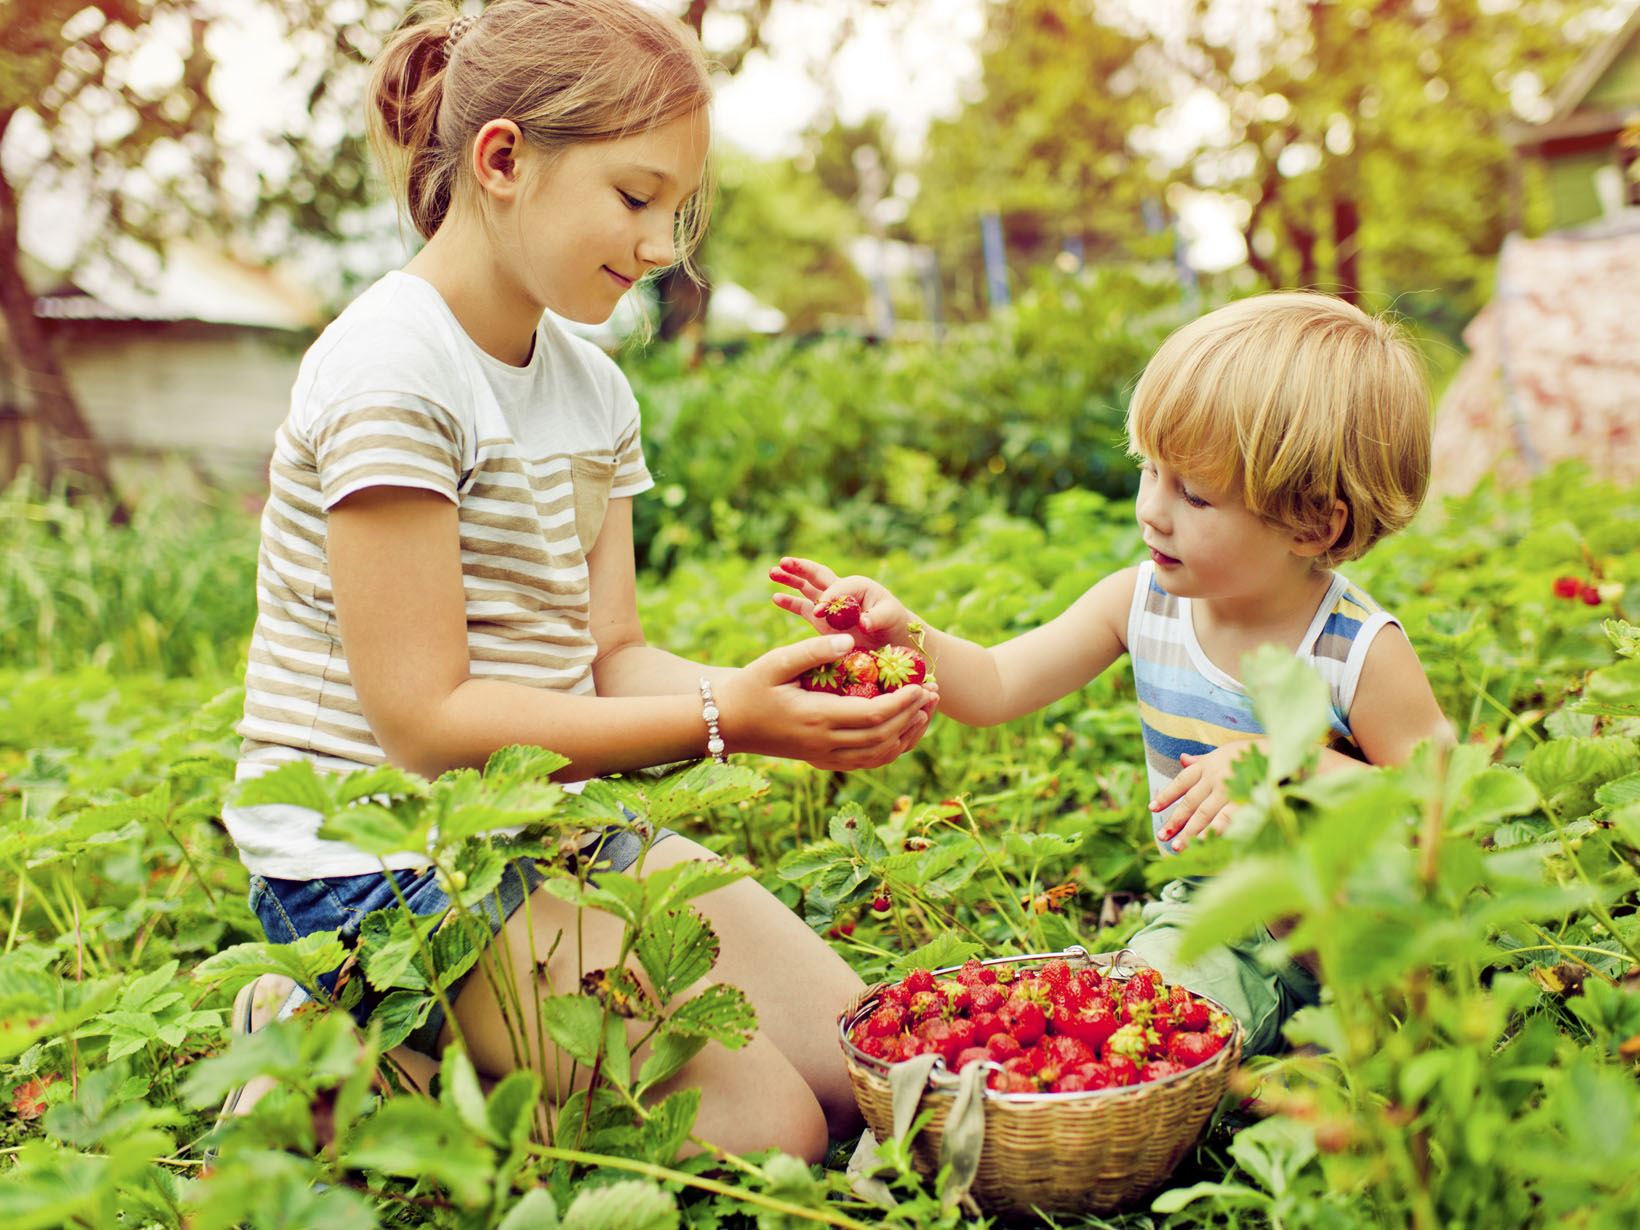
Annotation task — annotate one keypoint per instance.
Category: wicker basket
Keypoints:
(1057, 1152)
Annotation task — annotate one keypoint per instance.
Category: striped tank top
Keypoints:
(1187, 704)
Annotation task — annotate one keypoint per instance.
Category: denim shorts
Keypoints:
(290, 909)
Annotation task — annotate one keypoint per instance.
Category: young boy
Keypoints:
(1277, 437)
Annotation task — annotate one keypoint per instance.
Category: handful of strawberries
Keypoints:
(865, 672)
(1052, 1030)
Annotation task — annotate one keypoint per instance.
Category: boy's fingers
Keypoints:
(808, 571)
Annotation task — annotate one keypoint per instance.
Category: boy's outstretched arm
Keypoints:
(981, 686)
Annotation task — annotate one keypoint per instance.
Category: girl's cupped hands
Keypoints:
(763, 709)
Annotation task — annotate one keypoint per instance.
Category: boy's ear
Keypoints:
(1309, 545)
(495, 158)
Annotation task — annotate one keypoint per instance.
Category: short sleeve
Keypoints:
(631, 471)
(387, 439)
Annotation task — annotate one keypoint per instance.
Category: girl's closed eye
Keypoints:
(633, 203)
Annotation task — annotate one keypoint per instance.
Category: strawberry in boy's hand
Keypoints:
(842, 612)
(882, 619)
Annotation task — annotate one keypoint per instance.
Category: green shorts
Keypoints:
(1260, 998)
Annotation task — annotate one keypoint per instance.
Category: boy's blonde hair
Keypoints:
(564, 71)
(1294, 400)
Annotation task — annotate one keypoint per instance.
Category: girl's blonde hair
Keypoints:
(1294, 400)
(564, 71)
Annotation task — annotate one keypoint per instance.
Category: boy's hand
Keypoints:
(883, 620)
(1202, 788)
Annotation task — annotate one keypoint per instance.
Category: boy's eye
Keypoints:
(1195, 501)
(632, 202)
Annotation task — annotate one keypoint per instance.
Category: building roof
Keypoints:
(1570, 119)
(196, 283)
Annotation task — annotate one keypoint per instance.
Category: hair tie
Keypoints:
(458, 28)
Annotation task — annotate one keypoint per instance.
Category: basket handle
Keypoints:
(960, 1143)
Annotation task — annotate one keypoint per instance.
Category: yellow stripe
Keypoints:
(1192, 729)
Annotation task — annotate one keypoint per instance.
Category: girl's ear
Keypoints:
(1312, 545)
(495, 158)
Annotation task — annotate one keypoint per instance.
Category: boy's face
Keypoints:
(1205, 543)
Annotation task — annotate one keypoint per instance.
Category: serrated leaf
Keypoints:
(676, 948)
(390, 948)
(302, 960)
(853, 829)
(459, 1091)
(944, 949)
(1251, 893)
(668, 1126)
(806, 861)
(721, 1013)
(417, 1139)
(519, 762)
(671, 886)
(536, 1211)
(511, 1108)
(400, 1014)
(575, 1023)
(1617, 793)
(296, 783)
(385, 779)
(1292, 703)
(379, 830)
(668, 1052)
(626, 1205)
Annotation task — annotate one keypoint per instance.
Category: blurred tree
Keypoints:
(782, 236)
(115, 108)
(1363, 137)
(1045, 143)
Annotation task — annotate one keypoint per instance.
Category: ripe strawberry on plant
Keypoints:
(842, 612)
(1590, 595)
(1567, 587)
(899, 667)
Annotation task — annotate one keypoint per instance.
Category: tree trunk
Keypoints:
(1347, 247)
(68, 446)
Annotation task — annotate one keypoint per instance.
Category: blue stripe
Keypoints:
(1170, 747)
(1230, 710)
(1341, 625)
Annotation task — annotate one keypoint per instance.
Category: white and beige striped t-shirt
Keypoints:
(394, 393)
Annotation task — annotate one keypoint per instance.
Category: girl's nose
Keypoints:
(657, 248)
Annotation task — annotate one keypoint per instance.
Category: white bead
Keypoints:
(715, 746)
(710, 713)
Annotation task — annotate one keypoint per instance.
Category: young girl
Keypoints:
(1278, 437)
(446, 564)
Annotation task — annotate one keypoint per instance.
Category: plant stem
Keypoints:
(665, 1174)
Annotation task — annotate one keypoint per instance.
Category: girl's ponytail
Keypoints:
(406, 93)
(565, 71)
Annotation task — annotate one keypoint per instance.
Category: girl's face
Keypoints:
(598, 216)
(1205, 543)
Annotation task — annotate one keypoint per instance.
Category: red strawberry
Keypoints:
(1024, 1019)
(1123, 1071)
(1068, 1052)
(841, 612)
(1026, 1063)
(1158, 1068)
(1590, 595)
(888, 1019)
(1190, 1049)
(926, 1005)
(1567, 587)
(959, 996)
(1077, 1081)
(973, 972)
(827, 677)
(899, 667)
(1091, 1025)
(1098, 1075)
(1056, 974)
(972, 1054)
(1145, 981)
(859, 1034)
(1131, 1042)
(862, 689)
(963, 1034)
(917, 979)
(1003, 1046)
(986, 1026)
(858, 666)
(1011, 1082)
(877, 1048)
(987, 996)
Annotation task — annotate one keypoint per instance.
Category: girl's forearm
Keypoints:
(644, 670)
(599, 734)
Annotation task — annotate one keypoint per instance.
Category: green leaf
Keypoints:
(1292, 703)
(518, 762)
(671, 886)
(459, 1091)
(1619, 792)
(536, 1211)
(390, 948)
(385, 779)
(379, 830)
(806, 861)
(302, 960)
(626, 1205)
(400, 1014)
(296, 783)
(418, 1139)
(669, 1125)
(721, 1013)
(1173, 1200)
(511, 1108)
(668, 1052)
(1251, 893)
(853, 829)
(677, 948)
(1489, 797)
(575, 1023)
(944, 949)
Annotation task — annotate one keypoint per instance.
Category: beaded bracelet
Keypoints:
(709, 711)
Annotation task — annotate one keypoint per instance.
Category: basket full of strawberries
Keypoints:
(1099, 1076)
